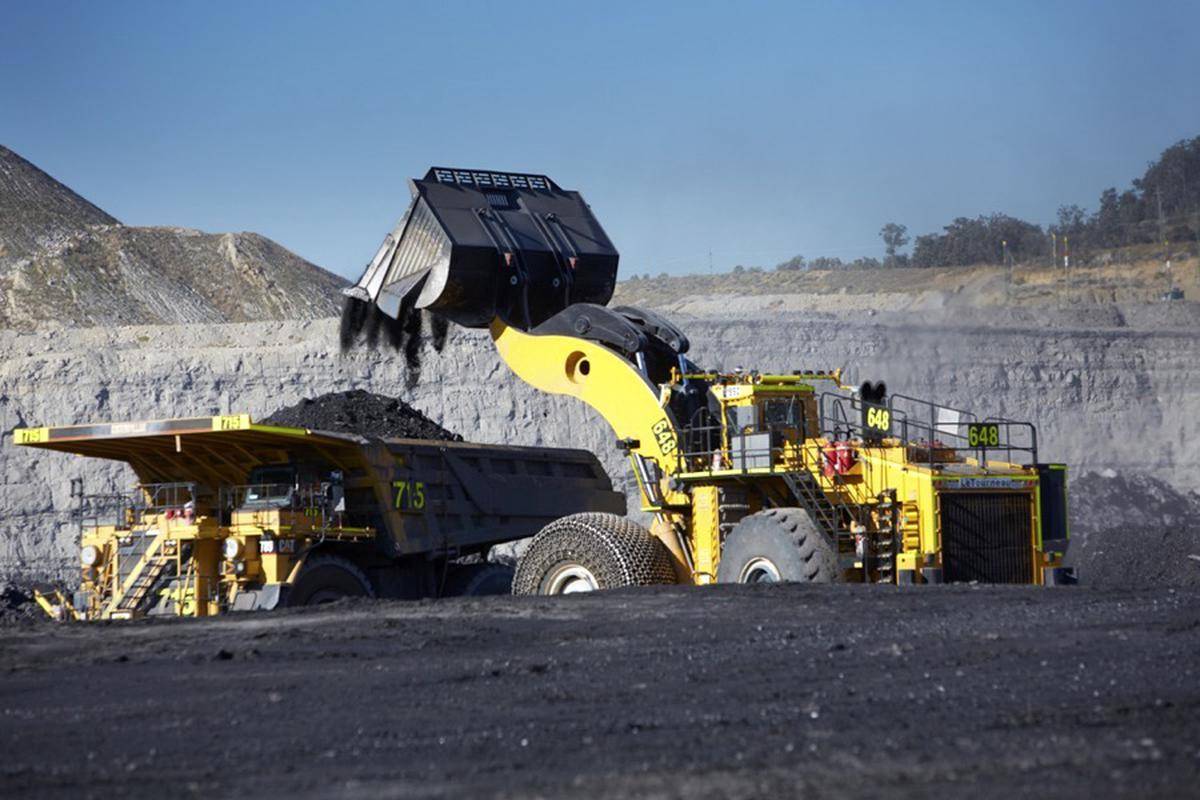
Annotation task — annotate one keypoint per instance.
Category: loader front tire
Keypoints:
(326, 578)
(776, 546)
(586, 552)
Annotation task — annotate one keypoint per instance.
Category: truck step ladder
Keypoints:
(148, 563)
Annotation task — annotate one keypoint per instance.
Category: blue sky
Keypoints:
(752, 130)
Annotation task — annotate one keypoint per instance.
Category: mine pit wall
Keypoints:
(1104, 397)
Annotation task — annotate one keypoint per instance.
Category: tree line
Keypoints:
(1161, 207)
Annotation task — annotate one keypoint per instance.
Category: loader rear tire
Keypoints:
(586, 552)
(776, 546)
(325, 578)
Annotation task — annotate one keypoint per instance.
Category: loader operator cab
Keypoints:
(751, 420)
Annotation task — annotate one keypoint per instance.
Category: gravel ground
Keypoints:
(730, 691)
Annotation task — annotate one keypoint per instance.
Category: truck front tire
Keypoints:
(326, 578)
(778, 545)
(586, 552)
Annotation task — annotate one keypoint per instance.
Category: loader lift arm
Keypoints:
(616, 361)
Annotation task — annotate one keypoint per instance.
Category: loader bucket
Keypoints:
(476, 245)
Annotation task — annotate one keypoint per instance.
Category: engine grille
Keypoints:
(986, 537)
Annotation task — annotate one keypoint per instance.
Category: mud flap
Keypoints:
(932, 575)
(1059, 576)
(906, 577)
(272, 595)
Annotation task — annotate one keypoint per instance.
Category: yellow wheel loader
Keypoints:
(746, 476)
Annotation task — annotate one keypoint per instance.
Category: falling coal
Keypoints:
(439, 329)
(354, 317)
(367, 323)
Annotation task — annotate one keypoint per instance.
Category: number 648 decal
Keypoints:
(879, 418)
(983, 435)
(665, 434)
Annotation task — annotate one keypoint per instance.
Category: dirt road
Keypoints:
(730, 691)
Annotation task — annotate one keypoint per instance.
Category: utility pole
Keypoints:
(1054, 265)
(1162, 237)
(1067, 262)
(1162, 223)
(1008, 266)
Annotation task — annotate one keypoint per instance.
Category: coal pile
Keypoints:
(17, 605)
(1133, 530)
(363, 413)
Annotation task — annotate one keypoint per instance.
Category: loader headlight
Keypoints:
(89, 556)
(232, 548)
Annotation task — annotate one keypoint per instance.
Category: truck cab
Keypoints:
(282, 512)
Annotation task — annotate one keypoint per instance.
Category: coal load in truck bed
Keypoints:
(363, 413)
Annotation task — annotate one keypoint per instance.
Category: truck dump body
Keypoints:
(381, 501)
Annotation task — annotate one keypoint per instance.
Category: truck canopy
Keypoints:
(216, 450)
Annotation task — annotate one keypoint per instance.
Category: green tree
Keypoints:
(981, 240)
(894, 237)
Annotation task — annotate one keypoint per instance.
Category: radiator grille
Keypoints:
(986, 537)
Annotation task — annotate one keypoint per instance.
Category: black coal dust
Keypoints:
(365, 322)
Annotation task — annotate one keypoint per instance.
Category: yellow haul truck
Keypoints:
(233, 515)
(748, 476)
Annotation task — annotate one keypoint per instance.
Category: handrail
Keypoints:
(940, 441)
(703, 448)
(129, 508)
(839, 482)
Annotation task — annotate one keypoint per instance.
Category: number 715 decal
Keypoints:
(410, 495)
